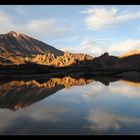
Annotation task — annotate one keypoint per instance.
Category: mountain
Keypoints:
(17, 44)
(19, 53)
(17, 48)
(105, 61)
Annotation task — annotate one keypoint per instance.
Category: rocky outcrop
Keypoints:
(104, 62)
(113, 63)
(69, 63)
(67, 59)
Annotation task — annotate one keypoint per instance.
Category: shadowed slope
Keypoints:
(14, 43)
(130, 53)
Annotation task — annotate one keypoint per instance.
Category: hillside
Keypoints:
(21, 54)
(17, 44)
(130, 53)
(17, 48)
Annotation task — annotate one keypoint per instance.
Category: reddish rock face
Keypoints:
(65, 60)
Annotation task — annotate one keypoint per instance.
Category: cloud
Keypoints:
(44, 27)
(92, 46)
(96, 47)
(124, 46)
(101, 120)
(100, 17)
(38, 28)
(88, 45)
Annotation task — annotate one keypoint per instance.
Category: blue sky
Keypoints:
(77, 28)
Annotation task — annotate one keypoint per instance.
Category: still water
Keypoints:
(69, 106)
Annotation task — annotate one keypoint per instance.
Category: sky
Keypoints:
(91, 29)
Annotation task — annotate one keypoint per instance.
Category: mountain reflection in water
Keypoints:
(16, 94)
(81, 105)
(19, 94)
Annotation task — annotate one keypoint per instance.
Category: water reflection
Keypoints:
(102, 120)
(19, 94)
(86, 105)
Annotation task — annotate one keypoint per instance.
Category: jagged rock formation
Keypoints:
(49, 59)
(71, 63)
(60, 61)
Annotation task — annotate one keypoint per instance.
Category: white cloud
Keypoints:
(100, 17)
(124, 46)
(102, 120)
(96, 47)
(88, 45)
(53, 28)
(91, 46)
(44, 27)
(38, 28)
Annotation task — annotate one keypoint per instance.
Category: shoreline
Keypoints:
(129, 75)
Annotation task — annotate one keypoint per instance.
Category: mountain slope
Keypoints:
(19, 44)
(130, 53)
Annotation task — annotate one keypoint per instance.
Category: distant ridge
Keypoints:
(130, 53)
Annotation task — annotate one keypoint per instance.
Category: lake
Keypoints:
(69, 106)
